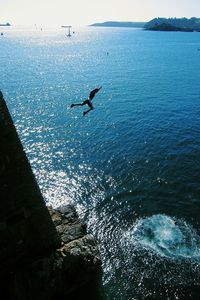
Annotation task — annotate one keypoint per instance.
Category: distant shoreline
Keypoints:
(120, 24)
(6, 24)
(158, 24)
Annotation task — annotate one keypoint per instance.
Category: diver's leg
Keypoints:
(79, 104)
(91, 108)
(87, 111)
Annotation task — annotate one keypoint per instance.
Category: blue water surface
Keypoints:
(131, 166)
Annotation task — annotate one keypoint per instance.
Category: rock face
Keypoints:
(65, 271)
(45, 254)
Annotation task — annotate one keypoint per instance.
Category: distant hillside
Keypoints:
(119, 24)
(168, 27)
(173, 24)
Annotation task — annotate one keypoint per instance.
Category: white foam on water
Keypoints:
(166, 236)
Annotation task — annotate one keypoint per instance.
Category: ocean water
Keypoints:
(132, 165)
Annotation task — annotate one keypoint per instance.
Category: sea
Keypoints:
(131, 166)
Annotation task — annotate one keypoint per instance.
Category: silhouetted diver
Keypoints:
(88, 101)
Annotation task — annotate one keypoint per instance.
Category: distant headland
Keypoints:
(174, 24)
(119, 24)
(6, 24)
(158, 24)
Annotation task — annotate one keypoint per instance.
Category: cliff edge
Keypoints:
(45, 254)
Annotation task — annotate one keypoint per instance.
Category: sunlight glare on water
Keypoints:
(131, 166)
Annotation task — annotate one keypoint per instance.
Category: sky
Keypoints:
(84, 12)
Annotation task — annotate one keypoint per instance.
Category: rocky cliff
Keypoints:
(72, 271)
(45, 254)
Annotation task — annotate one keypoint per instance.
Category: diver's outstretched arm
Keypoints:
(97, 89)
(93, 93)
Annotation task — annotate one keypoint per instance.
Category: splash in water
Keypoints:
(167, 237)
